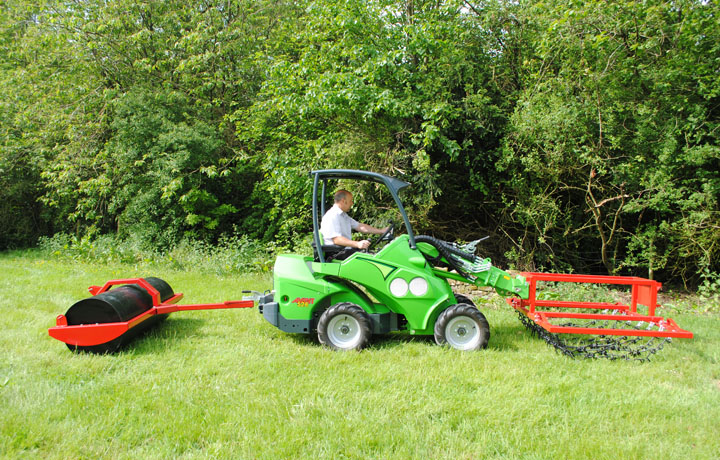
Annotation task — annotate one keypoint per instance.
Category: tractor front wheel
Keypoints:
(462, 298)
(344, 326)
(463, 327)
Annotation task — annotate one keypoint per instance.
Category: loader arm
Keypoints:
(452, 261)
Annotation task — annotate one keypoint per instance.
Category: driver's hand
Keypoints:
(384, 230)
(363, 244)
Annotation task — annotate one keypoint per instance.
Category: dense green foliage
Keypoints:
(581, 136)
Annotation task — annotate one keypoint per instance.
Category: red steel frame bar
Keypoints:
(99, 333)
(643, 292)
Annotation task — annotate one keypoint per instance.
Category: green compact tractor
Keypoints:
(401, 286)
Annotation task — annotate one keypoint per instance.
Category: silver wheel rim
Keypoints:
(344, 331)
(462, 333)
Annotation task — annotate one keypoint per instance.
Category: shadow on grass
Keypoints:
(377, 342)
(159, 337)
(303, 340)
(506, 337)
(170, 332)
(398, 340)
(502, 338)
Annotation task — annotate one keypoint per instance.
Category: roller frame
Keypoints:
(83, 335)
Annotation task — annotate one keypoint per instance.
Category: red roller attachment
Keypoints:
(111, 318)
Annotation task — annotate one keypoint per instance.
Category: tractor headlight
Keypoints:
(419, 286)
(398, 287)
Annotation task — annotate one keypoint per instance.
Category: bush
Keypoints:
(232, 254)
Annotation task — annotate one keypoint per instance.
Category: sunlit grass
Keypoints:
(226, 384)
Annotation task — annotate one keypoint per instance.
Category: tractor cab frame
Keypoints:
(320, 188)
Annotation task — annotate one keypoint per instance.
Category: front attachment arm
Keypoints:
(469, 267)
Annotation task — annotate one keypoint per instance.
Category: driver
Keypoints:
(336, 226)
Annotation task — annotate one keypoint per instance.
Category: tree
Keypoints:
(149, 150)
(398, 87)
(620, 117)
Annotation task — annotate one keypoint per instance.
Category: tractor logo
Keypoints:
(304, 301)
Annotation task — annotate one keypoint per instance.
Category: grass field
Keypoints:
(226, 384)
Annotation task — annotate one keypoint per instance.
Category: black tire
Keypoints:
(462, 327)
(462, 298)
(344, 326)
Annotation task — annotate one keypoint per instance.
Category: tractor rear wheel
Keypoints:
(462, 327)
(344, 326)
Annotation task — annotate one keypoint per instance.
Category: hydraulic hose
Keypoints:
(446, 251)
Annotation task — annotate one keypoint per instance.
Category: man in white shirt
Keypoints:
(336, 226)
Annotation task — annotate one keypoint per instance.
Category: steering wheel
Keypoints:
(389, 231)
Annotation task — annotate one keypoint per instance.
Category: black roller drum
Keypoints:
(119, 304)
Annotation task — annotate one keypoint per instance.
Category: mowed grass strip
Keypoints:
(226, 384)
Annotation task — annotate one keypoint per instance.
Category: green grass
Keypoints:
(226, 384)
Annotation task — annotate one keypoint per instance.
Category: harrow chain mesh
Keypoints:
(601, 346)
